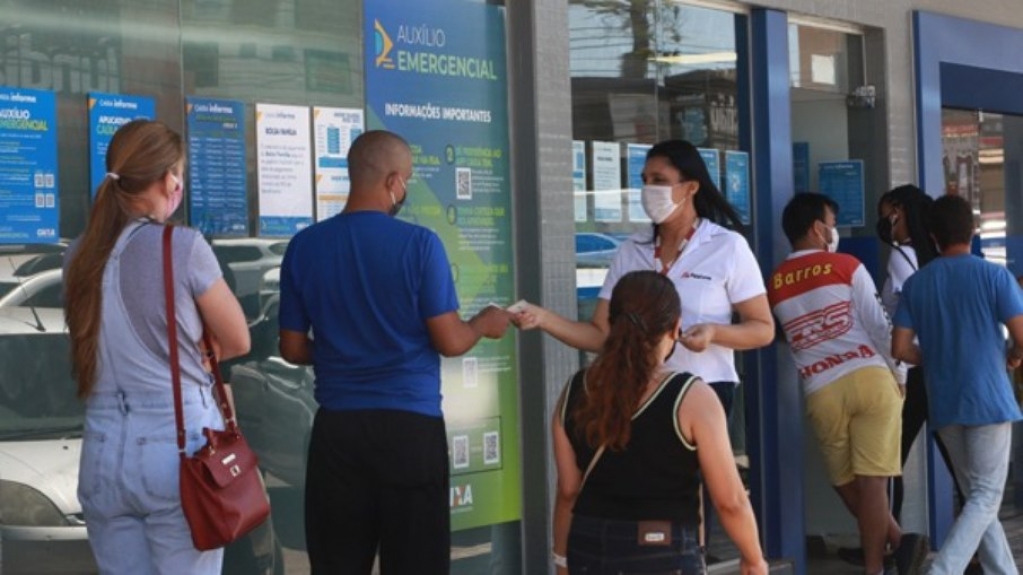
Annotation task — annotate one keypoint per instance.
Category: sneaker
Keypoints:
(910, 555)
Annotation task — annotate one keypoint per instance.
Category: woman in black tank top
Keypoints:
(630, 442)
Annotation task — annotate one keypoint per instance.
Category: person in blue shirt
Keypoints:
(955, 305)
(369, 301)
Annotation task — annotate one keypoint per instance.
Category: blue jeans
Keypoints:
(980, 460)
(128, 482)
(608, 547)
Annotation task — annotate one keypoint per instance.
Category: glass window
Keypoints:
(980, 155)
(644, 72)
(297, 52)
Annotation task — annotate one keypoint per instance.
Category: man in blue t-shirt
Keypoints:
(954, 305)
(368, 300)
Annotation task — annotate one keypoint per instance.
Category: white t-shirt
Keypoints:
(899, 270)
(716, 270)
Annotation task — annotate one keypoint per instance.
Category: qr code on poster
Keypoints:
(470, 372)
(491, 448)
(463, 183)
(460, 451)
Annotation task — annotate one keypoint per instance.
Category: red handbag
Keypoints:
(222, 491)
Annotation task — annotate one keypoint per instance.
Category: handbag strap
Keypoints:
(602, 448)
(175, 363)
(172, 336)
(593, 463)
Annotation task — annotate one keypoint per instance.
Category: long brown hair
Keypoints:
(140, 154)
(644, 307)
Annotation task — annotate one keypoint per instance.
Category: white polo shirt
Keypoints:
(716, 270)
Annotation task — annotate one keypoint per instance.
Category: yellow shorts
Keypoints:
(858, 422)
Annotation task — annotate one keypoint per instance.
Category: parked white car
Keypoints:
(42, 529)
(42, 290)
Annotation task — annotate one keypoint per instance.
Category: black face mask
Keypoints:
(884, 230)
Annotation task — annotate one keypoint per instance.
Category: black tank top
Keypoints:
(655, 477)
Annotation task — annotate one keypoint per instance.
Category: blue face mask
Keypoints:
(396, 205)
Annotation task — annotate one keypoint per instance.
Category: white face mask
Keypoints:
(176, 195)
(833, 244)
(657, 202)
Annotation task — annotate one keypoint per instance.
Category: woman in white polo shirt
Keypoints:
(712, 268)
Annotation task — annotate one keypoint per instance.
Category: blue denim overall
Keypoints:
(128, 475)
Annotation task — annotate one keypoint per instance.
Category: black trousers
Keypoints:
(377, 480)
(914, 416)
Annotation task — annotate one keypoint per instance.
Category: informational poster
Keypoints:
(843, 183)
(28, 167)
(801, 166)
(607, 181)
(334, 129)
(285, 169)
(107, 113)
(737, 183)
(442, 84)
(579, 179)
(217, 178)
(712, 158)
(635, 160)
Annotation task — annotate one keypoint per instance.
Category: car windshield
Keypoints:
(7, 287)
(37, 394)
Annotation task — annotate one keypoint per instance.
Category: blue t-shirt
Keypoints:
(955, 305)
(366, 283)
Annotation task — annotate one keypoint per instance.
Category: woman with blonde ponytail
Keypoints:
(114, 307)
(631, 442)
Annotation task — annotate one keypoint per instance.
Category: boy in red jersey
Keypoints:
(840, 339)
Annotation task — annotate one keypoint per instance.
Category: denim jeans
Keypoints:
(607, 547)
(980, 459)
(128, 482)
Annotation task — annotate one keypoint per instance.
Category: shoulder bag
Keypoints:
(222, 491)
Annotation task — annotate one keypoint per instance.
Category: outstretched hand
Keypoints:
(491, 322)
(528, 316)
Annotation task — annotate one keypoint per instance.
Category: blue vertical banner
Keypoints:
(843, 182)
(28, 167)
(737, 183)
(801, 166)
(217, 202)
(635, 159)
(107, 113)
(712, 158)
(441, 83)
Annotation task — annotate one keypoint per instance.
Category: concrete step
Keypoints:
(777, 567)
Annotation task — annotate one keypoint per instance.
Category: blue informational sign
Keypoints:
(107, 113)
(843, 183)
(217, 203)
(635, 160)
(712, 159)
(28, 167)
(801, 166)
(737, 184)
(694, 124)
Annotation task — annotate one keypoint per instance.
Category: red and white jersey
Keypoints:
(828, 306)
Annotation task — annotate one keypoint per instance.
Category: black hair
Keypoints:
(951, 221)
(802, 211)
(710, 203)
(915, 204)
